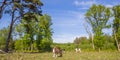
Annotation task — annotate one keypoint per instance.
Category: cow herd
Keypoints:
(58, 52)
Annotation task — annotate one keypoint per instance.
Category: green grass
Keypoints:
(66, 56)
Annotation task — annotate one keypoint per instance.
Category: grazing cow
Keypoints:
(78, 50)
(57, 52)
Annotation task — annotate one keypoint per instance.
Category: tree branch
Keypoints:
(1, 7)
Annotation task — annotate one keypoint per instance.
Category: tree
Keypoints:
(98, 16)
(38, 33)
(116, 25)
(44, 30)
(2, 6)
(77, 41)
(18, 9)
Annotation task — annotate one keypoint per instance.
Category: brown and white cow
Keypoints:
(57, 52)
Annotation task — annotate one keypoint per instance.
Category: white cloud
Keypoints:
(84, 3)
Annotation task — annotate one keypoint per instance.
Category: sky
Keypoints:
(68, 17)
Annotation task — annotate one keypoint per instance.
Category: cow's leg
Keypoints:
(60, 53)
(54, 55)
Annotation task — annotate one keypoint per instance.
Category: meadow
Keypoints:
(103, 55)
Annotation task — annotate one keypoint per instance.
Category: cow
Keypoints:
(57, 52)
(78, 50)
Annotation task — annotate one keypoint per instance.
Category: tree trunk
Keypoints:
(93, 43)
(2, 8)
(117, 42)
(8, 38)
(10, 32)
(90, 35)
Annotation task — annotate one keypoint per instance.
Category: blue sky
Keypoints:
(68, 17)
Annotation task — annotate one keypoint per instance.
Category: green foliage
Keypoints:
(85, 47)
(84, 43)
(99, 42)
(18, 45)
(45, 32)
(116, 21)
(23, 44)
(36, 35)
(77, 41)
(80, 40)
(18, 9)
(66, 46)
(98, 16)
(109, 43)
(3, 36)
(45, 44)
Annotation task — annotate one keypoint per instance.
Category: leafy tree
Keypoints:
(18, 9)
(77, 41)
(44, 36)
(39, 32)
(81, 40)
(26, 32)
(116, 25)
(98, 16)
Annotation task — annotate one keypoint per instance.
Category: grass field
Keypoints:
(66, 56)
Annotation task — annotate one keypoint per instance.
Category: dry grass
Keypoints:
(66, 56)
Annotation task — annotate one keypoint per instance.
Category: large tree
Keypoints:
(44, 32)
(116, 25)
(38, 34)
(98, 16)
(17, 9)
